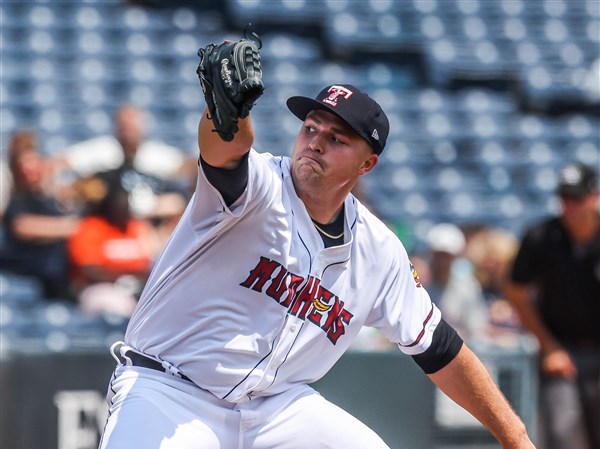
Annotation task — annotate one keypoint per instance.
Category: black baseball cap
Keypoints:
(576, 180)
(357, 109)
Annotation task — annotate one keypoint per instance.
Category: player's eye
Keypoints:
(337, 140)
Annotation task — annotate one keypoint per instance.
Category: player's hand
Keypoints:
(231, 77)
(558, 363)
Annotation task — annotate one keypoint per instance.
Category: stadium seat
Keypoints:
(19, 290)
(274, 13)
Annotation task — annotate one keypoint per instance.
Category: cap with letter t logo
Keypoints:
(357, 109)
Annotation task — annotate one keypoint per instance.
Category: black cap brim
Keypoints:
(301, 106)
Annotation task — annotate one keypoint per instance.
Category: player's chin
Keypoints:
(307, 173)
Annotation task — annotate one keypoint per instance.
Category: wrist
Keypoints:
(518, 439)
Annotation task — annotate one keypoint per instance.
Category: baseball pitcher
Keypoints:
(270, 274)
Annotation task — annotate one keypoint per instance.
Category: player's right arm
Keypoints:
(218, 153)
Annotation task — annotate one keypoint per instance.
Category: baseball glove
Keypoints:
(231, 77)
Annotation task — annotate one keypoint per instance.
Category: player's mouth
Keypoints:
(311, 160)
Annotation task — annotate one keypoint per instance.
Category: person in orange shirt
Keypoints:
(111, 251)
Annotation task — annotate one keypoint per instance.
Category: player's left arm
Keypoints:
(467, 382)
(219, 153)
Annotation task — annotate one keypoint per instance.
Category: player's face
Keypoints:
(328, 154)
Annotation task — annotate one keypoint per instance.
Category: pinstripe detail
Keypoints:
(416, 342)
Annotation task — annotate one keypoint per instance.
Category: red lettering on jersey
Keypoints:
(278, 285)
(338, 327)
(260, 274)
(295, 282)
(336, 319)
(305, 298)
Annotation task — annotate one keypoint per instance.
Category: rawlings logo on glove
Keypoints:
(231, 79)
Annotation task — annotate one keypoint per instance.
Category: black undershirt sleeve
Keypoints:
(230, 183)
(445, 345)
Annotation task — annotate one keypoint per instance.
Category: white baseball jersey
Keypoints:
(246, 300)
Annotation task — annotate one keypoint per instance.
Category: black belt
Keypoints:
(146, 362)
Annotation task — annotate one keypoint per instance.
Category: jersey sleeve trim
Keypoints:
(445, 345)
(423, 330)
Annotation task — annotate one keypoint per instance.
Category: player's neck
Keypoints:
(324, 215)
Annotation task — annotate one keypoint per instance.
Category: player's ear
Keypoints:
(368, 164)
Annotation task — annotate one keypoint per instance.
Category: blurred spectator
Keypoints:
(129, 147)
(491, 252)
(555, 289)
(36, 224)
(164, 217)
(148, 171)
(5, 187)
(111, 252)
(5, 192)
(450, 282)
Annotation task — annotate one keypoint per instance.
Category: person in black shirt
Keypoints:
(36, 224)
(555, 288)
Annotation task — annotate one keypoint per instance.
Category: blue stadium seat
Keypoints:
(498, 178)
(58, 326)
(432, 27)
(477, 101)
(275, 12)
(280, 46)
(492, 153)
(98, 121)
(585, 150)
(353, 31)
(18, 290)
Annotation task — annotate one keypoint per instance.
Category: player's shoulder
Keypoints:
(265, 171)
(280, 164)
(264, 156)
(376, 230)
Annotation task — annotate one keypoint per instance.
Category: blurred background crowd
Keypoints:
(488, 101)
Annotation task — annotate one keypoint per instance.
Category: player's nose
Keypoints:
(315, 143)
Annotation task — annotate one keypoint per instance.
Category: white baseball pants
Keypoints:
(154, 410)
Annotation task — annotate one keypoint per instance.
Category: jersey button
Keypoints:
(293, 328)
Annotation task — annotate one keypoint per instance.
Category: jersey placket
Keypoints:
(288, 337)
